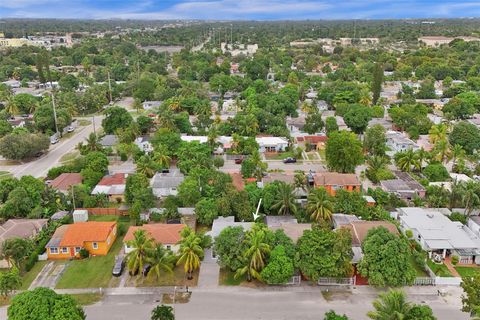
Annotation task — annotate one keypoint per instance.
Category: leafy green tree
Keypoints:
(23, 145)
(386, 260)
(45, 120)
(229, 247)
(313, 123)
(68, 82)
(144, 89)
(436, 172)
(374, 140)
(206, 211)
(255, 255)
(194, 155)
(116, 118)
(138, 190)
(465, 135)
(471, 289)
(96, 164)
(325, 253)
(10, 281)
(5, 127)
(162, 312)
(343, 152)
(319, 205)
(377, 82)
(279, 269)
(331, 315)
(357, 118)
(145, 124)
(331, 125)
(285, 200)
(16, 250)
(42, 304)
(189, 191)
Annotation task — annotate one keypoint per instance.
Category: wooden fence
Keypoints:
(105, 211)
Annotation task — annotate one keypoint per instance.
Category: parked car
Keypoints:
(70, 129)
(54, 140)
(289, 160)
(118, 267)
(238, 160)
(38, 154)
(146, 269)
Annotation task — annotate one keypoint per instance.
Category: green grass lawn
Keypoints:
(5, 174)
(84, 123)
(85, 299)
(68, 157)
(96, 271)
(321, 152)
(29, 276)
(420, 272)
(440, 270)
(177, 278)
(227, 278)
(468, 271)
(280, 155)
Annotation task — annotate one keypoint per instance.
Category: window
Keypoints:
(54, 250)
(77, 249)
(108, 241)
(169, 247)
(95, 245)
(64, 250)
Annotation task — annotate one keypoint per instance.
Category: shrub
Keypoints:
(409, 234)
(121, 229)
(377, 112)
(436, 172)
(218, 162)
(458, 216)
(84, 253)
(455, 260)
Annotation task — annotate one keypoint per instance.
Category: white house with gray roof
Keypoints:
(165, 184)
(438, 235)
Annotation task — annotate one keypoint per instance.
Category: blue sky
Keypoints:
(238, 9)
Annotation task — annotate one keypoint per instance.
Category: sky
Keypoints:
(238, 9)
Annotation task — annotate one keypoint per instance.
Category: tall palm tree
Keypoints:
(93, 143)
(255, 255)
(407, 160)
(12, 107)
(285, 203)
(391, 305)
(300, 180)
(145, 166)
(319, 205)
(260, 166)
(160, 259)
(142, 245)
(470, 196)
(438, 133)
(457, 154)
(191, 252)
(161, 157)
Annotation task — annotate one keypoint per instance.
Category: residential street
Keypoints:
(40, 166)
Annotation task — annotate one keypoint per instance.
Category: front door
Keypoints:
(72, 252)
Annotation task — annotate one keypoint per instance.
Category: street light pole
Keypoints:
(54, 113)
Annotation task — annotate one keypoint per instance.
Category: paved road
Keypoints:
(40, 166)
(241, 303)
(230, 166)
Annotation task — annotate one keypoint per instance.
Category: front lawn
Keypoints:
(280, 155)
(29, 276)
(227, 278)
(85, 299)
(440, 270)
(418, 269)
(468, 271)
(177, 278)
(94, 272)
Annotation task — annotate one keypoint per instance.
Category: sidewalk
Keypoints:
(450, 267)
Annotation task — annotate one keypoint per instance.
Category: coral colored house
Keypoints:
(333, 181)
(67, 241)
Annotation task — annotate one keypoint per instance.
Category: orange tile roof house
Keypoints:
(65, 181)
(94, 236)
(166, 234)
(333, 181)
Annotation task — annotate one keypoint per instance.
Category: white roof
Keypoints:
(262, 141)
(436, 230)
(224, 222)
(460, 177)
(113, 189)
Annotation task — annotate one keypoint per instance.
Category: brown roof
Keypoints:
(161, 232)
(78, 233)
(278, 176)
(293, 230)
(64, 181)
(338, 179)
(359, 229)
(115, 179)
(315, 139)
(21, 228)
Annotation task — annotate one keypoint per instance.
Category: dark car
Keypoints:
(238, 160)
(146, 269)
(118, 267)
(289, 160)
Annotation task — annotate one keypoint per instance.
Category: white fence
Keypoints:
(295, 280)
(424, 281)
(42, 257)
(336, 281)
(448, 281)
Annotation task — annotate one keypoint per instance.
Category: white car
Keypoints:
(54, 141)
(70, 129)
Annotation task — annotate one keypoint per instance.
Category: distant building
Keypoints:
(166, 234)
(333, 181)
(404, 186)
(149, 105)
(165, 184)
(398, 142)
(144, 144)
(435, 41)
(109, 140)
(113, 186)
(66, 181)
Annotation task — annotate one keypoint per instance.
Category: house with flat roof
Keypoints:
(113, 186)
(162, 233)
(94, 236)
(222, 223)
(404, 186)
(399, 142)
(165, 184)
(474, 224)
(333, 181)
(440, 236)
(109, 141)
(144, 144)
(66, 181)
(289, 225)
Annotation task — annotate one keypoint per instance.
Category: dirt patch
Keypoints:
(330, 295)
(180, 297)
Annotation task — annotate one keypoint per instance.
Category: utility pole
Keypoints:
(54, 113)
(93, 122)
(109, 87)
(73, 198)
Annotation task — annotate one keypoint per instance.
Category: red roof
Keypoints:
(64, 181)
(315, 139)
(161, 232)
(116, 179)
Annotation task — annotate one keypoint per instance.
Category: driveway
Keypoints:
(209, 271)
(49, 275)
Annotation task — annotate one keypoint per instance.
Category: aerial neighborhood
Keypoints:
(189, 166)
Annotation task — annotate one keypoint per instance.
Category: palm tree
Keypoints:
(161, 157)
(260, 166)
(300, 180)
(12, 107)
(319, 205)
(191, 252)
(391, 305)
(407, 160)
(255, 255)
(142, 246)
(92, 143)
(144, 166)
(423, 156)
(470, 198)
(285, 199)
(441, 150)
(438, 133)
(457, 154)
(160, 259)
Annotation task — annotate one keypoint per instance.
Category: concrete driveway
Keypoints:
(49, 275)
(209, 271)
